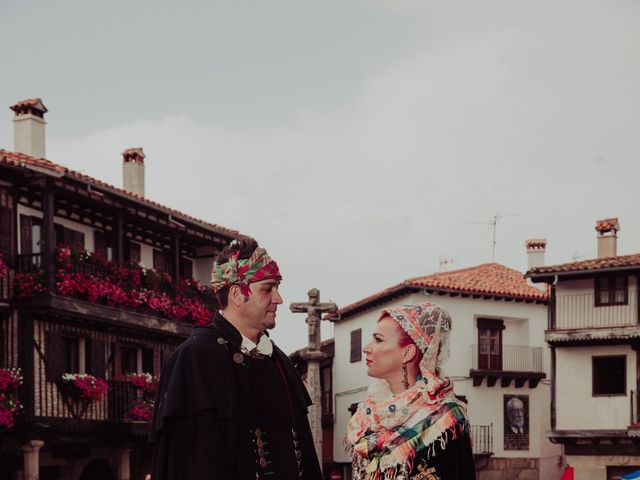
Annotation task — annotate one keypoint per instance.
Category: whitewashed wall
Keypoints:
(202, 269)
(525, 325)
(576, 407)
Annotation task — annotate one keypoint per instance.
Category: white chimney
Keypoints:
(133, 170)
(607, 237)
(28, 127)
(535, 252)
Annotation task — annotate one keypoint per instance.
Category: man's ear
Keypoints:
(235, 296)
(410, 352)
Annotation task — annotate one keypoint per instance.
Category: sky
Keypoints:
(362, 142)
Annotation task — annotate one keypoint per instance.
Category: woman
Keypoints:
(411, 426)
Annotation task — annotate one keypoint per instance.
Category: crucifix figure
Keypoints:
(313, 356)
(314, 310)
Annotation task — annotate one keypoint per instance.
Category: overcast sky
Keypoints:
(360, 141)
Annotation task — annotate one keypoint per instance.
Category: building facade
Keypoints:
(594, 337)
(97, 286)
(499, 364)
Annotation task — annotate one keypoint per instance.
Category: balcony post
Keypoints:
(119, 239)
(176, 256)
(48, 237)
(552, 306)
(31, 459)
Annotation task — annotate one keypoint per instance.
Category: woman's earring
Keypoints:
(405, 377)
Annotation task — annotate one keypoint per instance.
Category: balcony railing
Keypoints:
(482, 436)
(86, 276)
(512, 358)
(579, 311)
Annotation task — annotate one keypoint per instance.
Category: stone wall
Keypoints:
(510, 469)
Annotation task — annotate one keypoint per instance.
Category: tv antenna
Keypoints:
(493, 223)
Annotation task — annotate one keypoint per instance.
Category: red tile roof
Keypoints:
(21, 160)
(32, 103)
(607, 225)
(535, 244)
(607, 263)
(489, 279)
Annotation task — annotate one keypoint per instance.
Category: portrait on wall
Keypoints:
(516, 422)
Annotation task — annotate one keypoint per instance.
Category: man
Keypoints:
(515, 415)
(230, 405)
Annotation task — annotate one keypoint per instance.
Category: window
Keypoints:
(69, 237)
(159, 260)
(134, 252)
(611, 290)
(102, 244)
(30, 234)
(610, 375)
(490, 343)
(356, 345)
(136, 360)
(327, 395)
(74, 354)
(186, 268)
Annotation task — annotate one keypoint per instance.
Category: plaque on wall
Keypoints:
(516, 422)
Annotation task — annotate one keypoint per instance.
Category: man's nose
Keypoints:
(277, 298)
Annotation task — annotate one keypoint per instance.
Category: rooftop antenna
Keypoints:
(444, 263)
(493, 223)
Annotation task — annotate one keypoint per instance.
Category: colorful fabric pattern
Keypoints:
(238, 271)
(387, 430)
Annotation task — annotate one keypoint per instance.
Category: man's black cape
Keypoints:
(199, 411)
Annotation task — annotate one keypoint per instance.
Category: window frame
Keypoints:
(594, 358)
(355, 355)
(82, 353)
(611, 288)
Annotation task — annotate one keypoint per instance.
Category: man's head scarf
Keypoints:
(244, 271)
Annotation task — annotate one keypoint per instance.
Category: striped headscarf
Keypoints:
(244, 271)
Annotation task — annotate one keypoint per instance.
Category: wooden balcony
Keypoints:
(513, 363)
(56, 415)
(578, 321)
(90, 287)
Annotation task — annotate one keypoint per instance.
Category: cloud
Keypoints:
(535, 118)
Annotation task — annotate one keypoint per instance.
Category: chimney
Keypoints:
(535, 252)
(133, 170)
(28, 127)
(607, 237)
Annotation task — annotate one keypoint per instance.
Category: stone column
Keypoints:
(313, 359)
(123, 471)
(31, 458)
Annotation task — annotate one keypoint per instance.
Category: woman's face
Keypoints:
(384, 355)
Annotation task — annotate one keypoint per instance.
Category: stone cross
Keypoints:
(314, 310)
(313, 356)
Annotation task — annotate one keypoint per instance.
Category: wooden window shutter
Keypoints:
(186, 268)
(54, 355)
(356, 345)
(101, 243)
(6, 224)
(96, 357)
(134, 252)
(147, 360)
(26, 242)
(159, 260)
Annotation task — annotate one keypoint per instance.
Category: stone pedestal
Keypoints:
(31, 456)
(123, 464)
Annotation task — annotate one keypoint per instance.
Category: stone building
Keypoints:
(594, 337)
(96, 280)
(499, 363)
